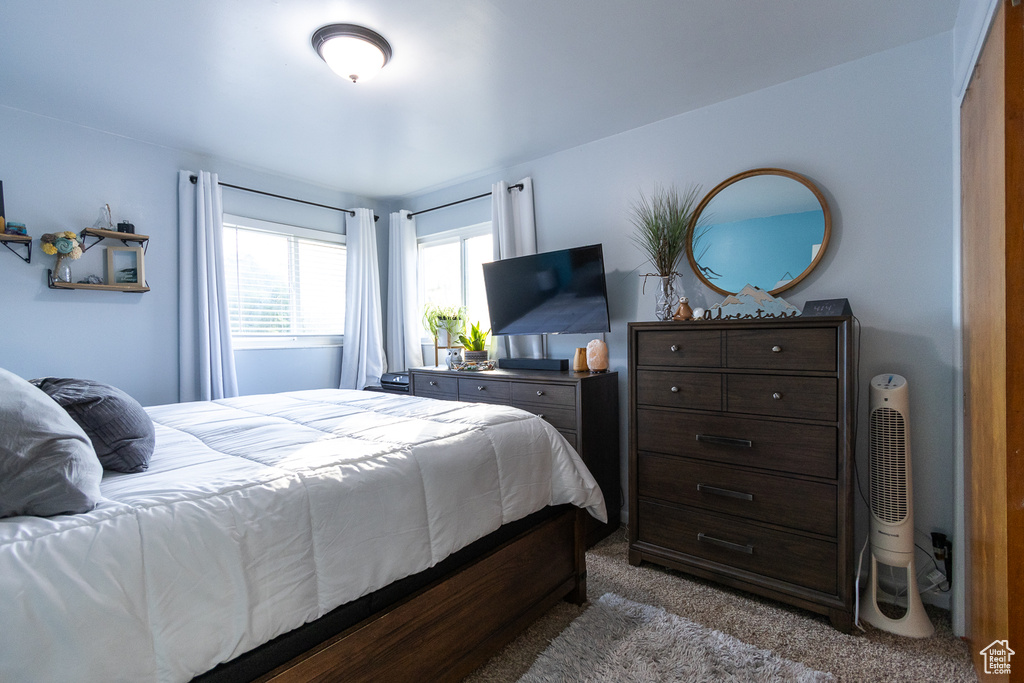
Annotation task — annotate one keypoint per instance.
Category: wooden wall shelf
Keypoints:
(54, 284)
(100, 235)
(8, 240)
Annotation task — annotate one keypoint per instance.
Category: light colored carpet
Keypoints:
(621, 640)
(788, 632)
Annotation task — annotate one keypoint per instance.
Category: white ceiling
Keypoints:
(473, 86)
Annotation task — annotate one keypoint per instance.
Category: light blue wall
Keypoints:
(460, 216)
(875, 135)
(56, 176)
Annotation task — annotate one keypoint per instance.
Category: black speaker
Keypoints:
(534, 363)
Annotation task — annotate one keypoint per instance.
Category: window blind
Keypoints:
(283, 284)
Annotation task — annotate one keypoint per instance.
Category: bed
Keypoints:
(263, 517)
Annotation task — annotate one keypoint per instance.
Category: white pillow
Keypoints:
(47, 463)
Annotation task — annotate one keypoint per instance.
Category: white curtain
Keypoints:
(206, 360)
(362, 360)
(403, 340)
(515, 234)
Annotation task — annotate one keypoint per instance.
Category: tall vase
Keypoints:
(62, 271)
(665, 297)
(579, 361)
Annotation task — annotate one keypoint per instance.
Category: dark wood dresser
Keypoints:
(740, 456)
(583, 407)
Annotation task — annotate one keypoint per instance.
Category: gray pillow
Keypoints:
(120, 429)
(47, 464)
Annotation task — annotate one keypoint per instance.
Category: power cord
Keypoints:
(856, 408)
(853, 460)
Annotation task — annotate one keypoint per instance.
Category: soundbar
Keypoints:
(534, 363)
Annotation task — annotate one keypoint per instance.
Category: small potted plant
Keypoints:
(475, 344)
(445, 323)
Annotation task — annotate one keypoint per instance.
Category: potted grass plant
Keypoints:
(663, 223)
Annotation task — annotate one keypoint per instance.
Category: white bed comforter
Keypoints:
(259, 514)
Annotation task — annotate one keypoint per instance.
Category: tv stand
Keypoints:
(533, 363)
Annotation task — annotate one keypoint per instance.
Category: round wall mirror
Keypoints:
(767, 227)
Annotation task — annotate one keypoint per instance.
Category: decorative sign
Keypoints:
(751, 303)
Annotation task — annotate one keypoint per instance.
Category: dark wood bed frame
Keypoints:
(445, 630)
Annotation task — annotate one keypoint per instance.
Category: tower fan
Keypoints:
(891, 533)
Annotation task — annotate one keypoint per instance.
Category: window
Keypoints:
(450, 272)
(286, 284)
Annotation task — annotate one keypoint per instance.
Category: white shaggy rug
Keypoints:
(621, 640)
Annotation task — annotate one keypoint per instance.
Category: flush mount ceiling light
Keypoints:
(353, 52)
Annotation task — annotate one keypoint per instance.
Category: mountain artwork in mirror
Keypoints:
(767, 227)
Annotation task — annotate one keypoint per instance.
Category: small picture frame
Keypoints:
(126, 266)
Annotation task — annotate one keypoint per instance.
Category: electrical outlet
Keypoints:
(935, 577)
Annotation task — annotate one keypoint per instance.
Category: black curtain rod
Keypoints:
(517, 186)
(281, 196)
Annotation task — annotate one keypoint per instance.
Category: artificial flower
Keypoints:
(61, 244)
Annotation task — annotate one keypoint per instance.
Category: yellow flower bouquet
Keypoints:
(65, 246)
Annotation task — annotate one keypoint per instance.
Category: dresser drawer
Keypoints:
(782, 349)
(560, 418)
(787, 557)
(804, 505)
(680, 348)
(783, 447)
(695, 390)
(482, 390)
(543, 394)
(433, 386)
(810, 398)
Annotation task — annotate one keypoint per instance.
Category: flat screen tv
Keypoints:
(557, 292)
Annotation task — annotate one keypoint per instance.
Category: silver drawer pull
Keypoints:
(777, 396)
(776, 349)
(675, 390)
(540, 393)
(480, 387)
(673, 348)
(725, 440)
(715, 491)
(433, 383)
(703, 538)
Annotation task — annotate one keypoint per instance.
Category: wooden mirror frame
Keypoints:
(749, 174)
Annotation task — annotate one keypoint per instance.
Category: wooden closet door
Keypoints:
(992, 248)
